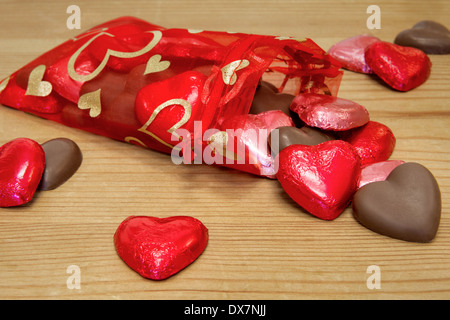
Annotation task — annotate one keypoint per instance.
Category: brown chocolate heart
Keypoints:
(269, 85)
(291, 135)
(429, 36)
(62, 159)
(266, 99)
(406, 206)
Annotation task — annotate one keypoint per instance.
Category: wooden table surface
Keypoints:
(262, 245)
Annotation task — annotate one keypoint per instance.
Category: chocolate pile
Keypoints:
(26, 166)
(325, 151)
(334, 155)
(401, 68)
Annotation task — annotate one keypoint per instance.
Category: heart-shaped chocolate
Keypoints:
(350, 52)
(248, 139)
(157, 248)
(165, 106)
(266, 99)
(402, 68)
(329, 112)
(292, 135)
(63, 157)
(321, 179)
(22, 163)
(62, 83)
(374, 142)
(406, 206)
(429, 36)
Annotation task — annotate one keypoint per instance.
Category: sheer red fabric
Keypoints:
(160, 88)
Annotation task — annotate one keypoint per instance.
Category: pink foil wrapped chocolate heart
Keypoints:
(22, 162)
(329, 112)
(350, 52)
(374, 142)
(249, 140)
(321, 179)
(158, 248)
(402, 68)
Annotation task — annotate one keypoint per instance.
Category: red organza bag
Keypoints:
(172, 90)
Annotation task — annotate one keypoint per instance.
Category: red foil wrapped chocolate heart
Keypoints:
(158, 248)
(22, 162)
(175, 105)
(374, 142)
(321, 179)
(402, 68)
(328, 112)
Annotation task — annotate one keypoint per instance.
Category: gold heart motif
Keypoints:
(154, 64)
(229, 71)
(118, 54)
(36, 86)
(91, 101)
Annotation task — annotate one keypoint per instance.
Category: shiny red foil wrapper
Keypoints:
(402, 68)
(158, 248)
(322, 178)
(22, 163)
(137, 82)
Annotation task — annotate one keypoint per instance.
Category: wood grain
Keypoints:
(262, 245)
